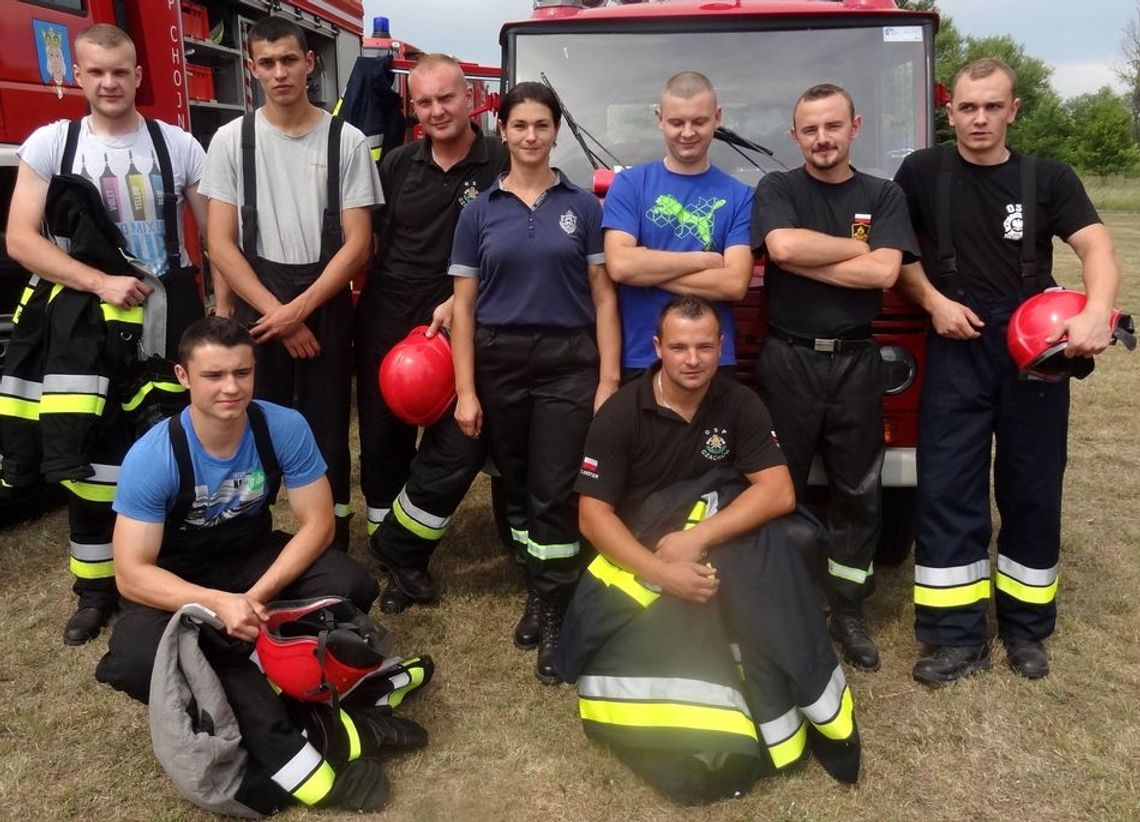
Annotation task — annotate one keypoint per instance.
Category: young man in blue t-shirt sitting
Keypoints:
(194, 523)
(678, 225)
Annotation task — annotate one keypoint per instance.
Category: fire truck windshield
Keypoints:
(611, 81)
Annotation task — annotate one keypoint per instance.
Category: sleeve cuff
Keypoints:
(457, 270)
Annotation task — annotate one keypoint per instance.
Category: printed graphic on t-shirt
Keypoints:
(237, 496)
(1012, 227)
(470, 192)
(693, 220)
(716, 445)
(134, 202)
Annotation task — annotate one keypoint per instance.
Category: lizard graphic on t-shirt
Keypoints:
(695, 222)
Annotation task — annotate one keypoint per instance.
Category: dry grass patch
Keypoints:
(504, 747)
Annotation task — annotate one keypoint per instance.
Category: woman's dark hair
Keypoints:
(530, 92)
(212, 330)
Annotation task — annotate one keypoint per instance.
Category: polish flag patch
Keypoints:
(589, 467)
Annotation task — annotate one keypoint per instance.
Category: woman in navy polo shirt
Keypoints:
(536, 341)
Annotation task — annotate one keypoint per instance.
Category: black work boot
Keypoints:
(405, 587)
(551, 609)
(527, 630)
(87, 621)
(849, 629)
(1026, 657)
(949, 663)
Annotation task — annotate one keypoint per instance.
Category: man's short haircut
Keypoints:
(688, 307)
(105, 36)
(213, 330)
(271, 29)
(688, 84)
(821, 91)
(982, 68)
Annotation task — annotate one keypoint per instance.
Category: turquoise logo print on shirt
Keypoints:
(687, 221)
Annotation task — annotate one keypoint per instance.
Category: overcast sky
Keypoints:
(1080, 39)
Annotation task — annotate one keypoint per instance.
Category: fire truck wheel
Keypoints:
(897, 535)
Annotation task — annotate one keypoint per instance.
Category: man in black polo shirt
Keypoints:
(426, 184)
(834, 239)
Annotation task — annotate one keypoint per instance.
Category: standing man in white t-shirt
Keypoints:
(287, 242)
(114, 148)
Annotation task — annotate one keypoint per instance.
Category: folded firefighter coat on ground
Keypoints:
(76, 365)
(701, 700)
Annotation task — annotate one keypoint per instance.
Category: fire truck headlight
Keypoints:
(899, 368)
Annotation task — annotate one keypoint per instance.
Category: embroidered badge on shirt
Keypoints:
(568, 222)
(1012, 227)
(861, 228)
(716, 444)
(470, 192)
(589, 467)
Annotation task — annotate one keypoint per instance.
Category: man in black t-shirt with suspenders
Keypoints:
(985, 218)
(834, 239)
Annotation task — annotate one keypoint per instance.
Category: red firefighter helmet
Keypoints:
(1034, 322)
(314, 648)
(417, 377)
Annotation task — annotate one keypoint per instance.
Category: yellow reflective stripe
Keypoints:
(336, 108)
(695, 515)
(417, 528)
(353, 735)
(611, 575)
(956, 597)
(376, 154)
(371, 527)
(55, 292)
(791, 749)
(140, 395)
(415, 679)
(341, 510)
(112, 313)
(520, 536)
(24, 297)
(90, 491)
(1033, 594)
(667, 715)
(92, 404)
(843, 725)
(317, 786)
(92, 570)
(24, 409)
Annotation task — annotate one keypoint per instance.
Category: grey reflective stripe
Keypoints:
(298, 769)
(653, 688)
(712, 502)
(24, 389)
(91, 553)
(561, 550)
(457, 270)
(1037, 577)
(825, 708)
(108, 474)
(782, 727)
(377, 514)
(419, 514)
(76, 384)
(848, 573)
(734, 649)
(950, 577)
(596, 259)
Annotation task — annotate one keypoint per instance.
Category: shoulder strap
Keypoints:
(69, 146)
(943, 223)
(265, 451)
(169, 197)
(180, 445)
(1030, 284)
(332, 232)
(249, 188)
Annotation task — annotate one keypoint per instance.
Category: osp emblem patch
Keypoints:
(1012, 228)
(716, 444)
(568, 222)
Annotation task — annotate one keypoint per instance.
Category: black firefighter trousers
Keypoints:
(832, 404)
(973, 403)
(537, 388)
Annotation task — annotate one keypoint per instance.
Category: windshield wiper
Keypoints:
(580, 134)
(737, 141)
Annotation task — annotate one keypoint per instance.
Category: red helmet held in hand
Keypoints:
(417, 377)
(1036, 319)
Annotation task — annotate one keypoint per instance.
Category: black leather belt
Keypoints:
(855, 340)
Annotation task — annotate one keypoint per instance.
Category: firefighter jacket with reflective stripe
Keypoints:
(75, 364)
(701, 700)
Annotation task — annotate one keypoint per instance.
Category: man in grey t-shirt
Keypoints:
(291, 270)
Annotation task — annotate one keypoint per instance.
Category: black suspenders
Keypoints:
(948, 260)
(332, 233)
(180, 445)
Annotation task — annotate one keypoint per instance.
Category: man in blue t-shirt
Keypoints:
(678, 225)
(194, 523)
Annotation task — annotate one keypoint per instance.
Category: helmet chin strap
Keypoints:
(1125, 332)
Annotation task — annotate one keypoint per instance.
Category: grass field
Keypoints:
(504, 747)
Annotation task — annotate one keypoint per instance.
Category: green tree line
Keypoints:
(1095, 132)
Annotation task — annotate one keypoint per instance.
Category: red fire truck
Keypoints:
(608, 63)
(194, 75)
